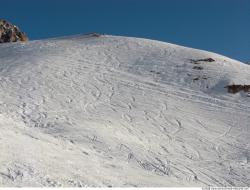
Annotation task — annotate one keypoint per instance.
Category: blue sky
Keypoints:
(221, 26)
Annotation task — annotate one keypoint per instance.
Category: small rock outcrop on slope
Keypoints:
(234, 88)
(11, 33)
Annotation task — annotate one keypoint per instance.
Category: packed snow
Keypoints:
(109, 111)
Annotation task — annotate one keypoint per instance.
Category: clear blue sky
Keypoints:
(221, 26)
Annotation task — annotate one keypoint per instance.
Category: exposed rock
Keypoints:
(198, 68)
(237, 88)
(94, 34)
(198, 61)
(11, 33)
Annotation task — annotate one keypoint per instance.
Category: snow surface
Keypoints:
(119, 111)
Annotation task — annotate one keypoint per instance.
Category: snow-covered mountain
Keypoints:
(116, 111)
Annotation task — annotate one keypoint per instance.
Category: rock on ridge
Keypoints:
(11, 33)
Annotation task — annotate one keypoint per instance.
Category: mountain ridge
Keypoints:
(119, 111)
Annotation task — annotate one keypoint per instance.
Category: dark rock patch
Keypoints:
(199, 61)
(198, 67)
(11, 33)
(196, 78)
(235, 88)
(94, 34)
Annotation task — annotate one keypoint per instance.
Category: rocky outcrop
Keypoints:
(11, 33)
(235, 88)
(199, 61)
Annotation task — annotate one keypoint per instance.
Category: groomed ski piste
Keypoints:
(111, 111)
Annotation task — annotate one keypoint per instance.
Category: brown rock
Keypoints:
(235, 88)
(11, 33)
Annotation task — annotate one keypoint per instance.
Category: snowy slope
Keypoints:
(118, 111)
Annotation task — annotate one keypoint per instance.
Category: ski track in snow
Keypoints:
(117, 111)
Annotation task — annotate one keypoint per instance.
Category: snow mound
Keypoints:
(105, 110)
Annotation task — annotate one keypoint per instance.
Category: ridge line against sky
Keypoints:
(220, 26)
